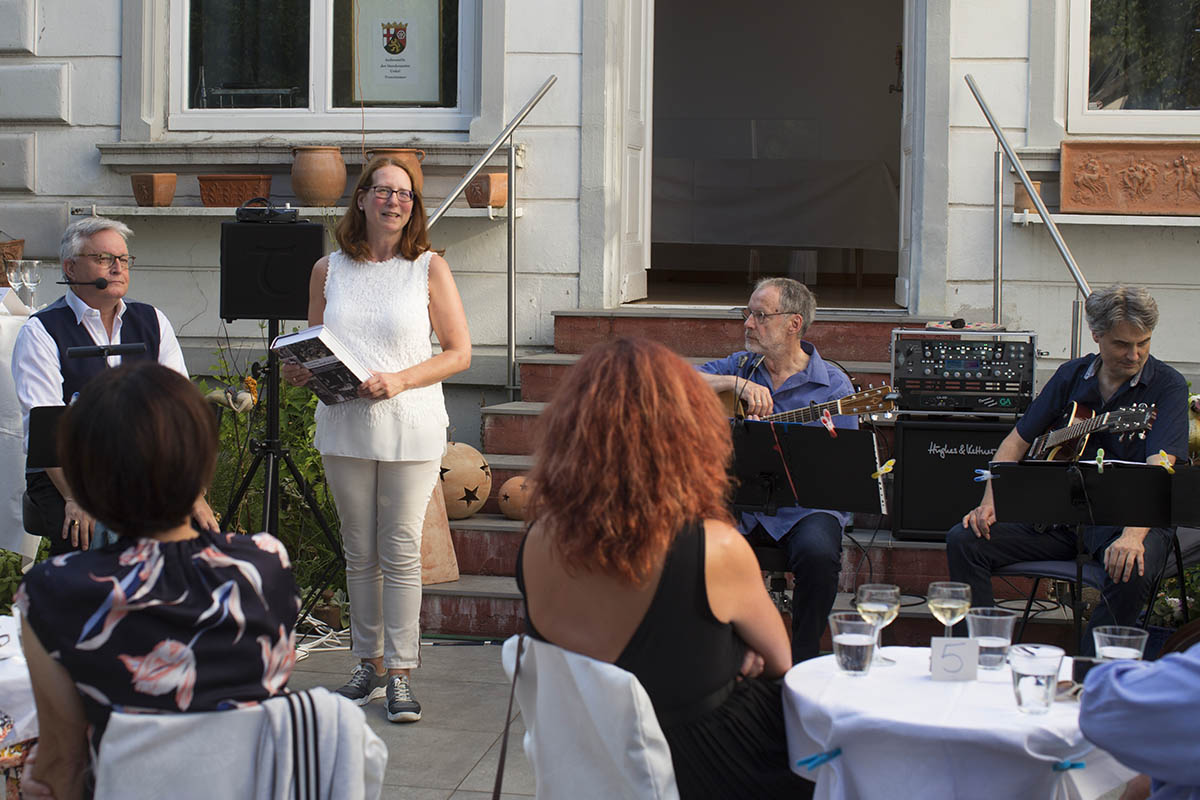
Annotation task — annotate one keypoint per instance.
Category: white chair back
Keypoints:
(303, 746)
(591, 731)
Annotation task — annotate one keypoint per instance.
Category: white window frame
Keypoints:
(320, 114)
(1119, 122)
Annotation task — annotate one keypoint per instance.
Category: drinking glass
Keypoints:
(948, 602)
(31, 276)
(12, 269)
(878, 603)
(1119, 641)
(993, 627)
(853, 642)
(1034, 675)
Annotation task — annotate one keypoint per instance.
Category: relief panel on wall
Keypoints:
(1131, 177)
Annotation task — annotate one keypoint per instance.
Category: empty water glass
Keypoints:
(1035, 675)
(993, 627)
(31, 276)
(853, 641)
(1119, 641)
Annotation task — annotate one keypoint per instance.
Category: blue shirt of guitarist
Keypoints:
(819, 382)
(1077, 381)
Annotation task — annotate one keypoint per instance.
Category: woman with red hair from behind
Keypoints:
(631, 558)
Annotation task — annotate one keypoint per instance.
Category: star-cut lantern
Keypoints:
(466, 480)
(512, 496)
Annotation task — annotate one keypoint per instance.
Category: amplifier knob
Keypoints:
(996, 373)
(928, 371)
(958, 374)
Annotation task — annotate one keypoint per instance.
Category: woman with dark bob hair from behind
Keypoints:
(631, 558)
(166, 618)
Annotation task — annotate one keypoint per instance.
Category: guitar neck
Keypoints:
(1055, 438)
(806, 414)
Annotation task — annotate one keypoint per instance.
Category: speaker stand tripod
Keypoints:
(268, 453)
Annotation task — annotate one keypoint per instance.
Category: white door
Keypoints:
(636, 118)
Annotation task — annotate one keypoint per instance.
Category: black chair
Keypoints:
(1093, 574)
(31, 516)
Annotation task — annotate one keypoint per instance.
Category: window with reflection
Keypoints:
(1144, 55)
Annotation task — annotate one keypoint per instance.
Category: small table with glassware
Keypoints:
(902, 734)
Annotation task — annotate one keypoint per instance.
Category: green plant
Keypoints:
(1167, 610)
(298, 530)
(10, 578)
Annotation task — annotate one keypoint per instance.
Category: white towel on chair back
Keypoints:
(591, 731)
(242, 753)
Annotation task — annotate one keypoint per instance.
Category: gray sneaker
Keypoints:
(364, 685)
(401, 705)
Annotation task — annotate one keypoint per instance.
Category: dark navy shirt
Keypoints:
(818, 383)
(1158, 384)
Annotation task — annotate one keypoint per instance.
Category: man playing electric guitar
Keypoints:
(1122, 374)
(779, 371)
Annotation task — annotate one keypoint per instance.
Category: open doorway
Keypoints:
(776, 150)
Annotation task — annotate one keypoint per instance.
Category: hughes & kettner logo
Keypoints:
(395, 36)
(964, 449)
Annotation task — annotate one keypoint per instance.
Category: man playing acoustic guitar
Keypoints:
(779, 371)
(1121, 375)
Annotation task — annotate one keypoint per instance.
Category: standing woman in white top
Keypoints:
(382, 293)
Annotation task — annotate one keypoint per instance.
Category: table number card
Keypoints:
(953, 658)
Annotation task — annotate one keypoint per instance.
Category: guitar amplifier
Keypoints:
(934, 477)
(964, 371)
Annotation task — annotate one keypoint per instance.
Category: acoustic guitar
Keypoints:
(1067, 442)
(868, 401)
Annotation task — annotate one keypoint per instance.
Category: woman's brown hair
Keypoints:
(351, 233)
(138, 447)
(633, 445)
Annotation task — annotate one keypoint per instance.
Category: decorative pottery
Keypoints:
(439, 564)
(12, 250)
(488, 189)
(318, 175)
(153, 188)
(1134, 177)
(1021, 199)
(232, 190)
(466, 480)
(514, 493)
(409, 157)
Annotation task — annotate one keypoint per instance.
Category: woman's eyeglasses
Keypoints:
(385, 193)
(760, 316)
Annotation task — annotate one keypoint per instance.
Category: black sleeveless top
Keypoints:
(726, 735)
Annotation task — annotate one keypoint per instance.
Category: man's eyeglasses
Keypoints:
(385, 193)
(760, 316)
(106, 260)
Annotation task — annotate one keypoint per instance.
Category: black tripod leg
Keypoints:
(311, 500)
(319, 585)
(236, 500)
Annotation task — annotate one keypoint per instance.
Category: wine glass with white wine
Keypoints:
(878, 603)
(948, 602)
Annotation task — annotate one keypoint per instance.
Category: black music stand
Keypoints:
(838, 473)
(1078, 493)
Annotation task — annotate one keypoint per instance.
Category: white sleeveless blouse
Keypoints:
(380, 311)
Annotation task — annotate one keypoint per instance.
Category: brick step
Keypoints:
(541, 374)
(701, 332)
(476, 605)
(487, 544)
(510, 428)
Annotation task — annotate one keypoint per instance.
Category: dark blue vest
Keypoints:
(139, 323)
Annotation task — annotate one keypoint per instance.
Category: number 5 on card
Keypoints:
(953, 659)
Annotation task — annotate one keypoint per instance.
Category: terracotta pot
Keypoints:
(10, 251)
(232, 190)
(153, 188)
(409, 157)
(488, 189)
(318, 175)
(1021, 199)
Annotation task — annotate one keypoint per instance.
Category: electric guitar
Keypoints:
(864, 402)
(1066, 443)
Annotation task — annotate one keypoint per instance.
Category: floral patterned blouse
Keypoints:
(195, 625)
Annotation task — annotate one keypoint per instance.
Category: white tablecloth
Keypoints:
(904, 735)
(12, 450)
(16, 692)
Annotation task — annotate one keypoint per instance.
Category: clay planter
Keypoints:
(488, 189)
(1021, 198)
(409, 157)
(318, 175)
(232, 190)
(11, 250)
(1130, 177)
(153, 188)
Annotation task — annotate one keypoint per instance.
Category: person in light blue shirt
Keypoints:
(779, 371)
(1146, 715)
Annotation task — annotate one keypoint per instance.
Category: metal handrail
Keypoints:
(507, 133)
(1064, 251)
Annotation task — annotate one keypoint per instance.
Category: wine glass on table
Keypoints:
(12, 270)
(948, 602)
(31, 276)
(878, 603)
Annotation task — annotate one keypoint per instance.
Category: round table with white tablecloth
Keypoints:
(12, 447)
(902, 734)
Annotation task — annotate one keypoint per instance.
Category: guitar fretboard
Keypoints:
(806, 414)
(1055, 438)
